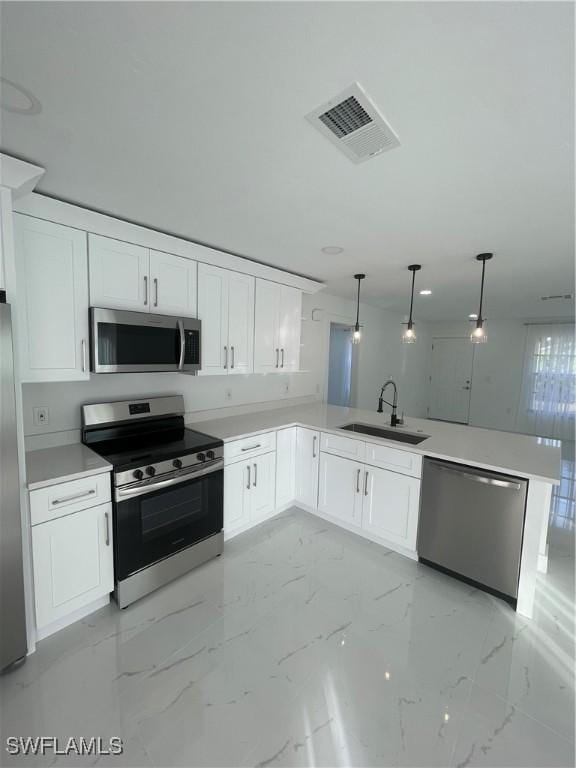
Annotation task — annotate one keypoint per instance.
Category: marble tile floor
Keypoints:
(306, 645)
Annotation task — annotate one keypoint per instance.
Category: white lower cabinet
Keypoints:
(382, 503)
(285, 466)
(340, 494)
(390, 506)
(249, 492)
(73, 563)
(307, 464)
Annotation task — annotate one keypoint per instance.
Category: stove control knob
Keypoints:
(150, 471)
(138, 474)
(201, 457)
(177, 463)
(210, 455)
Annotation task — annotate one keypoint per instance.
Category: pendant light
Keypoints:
(357, 335)
(409, 335)
(478, 335)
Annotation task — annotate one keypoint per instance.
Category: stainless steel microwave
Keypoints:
(134, 342)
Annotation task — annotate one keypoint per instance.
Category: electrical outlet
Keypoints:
(228, 394)
(41, 415)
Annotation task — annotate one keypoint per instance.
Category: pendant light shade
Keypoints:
(409, 335)
(357, 335)
(478, 335)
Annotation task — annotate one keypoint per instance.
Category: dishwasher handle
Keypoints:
(481, 478)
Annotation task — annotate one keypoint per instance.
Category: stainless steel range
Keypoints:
(167, 490)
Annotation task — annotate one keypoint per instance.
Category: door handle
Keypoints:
(233, 356)
(357, 481)
(277, 357)
(107, 519)
(225, 357)
(155, 291)
(282, 365)
(145, 289)
(182, 345)
(248, 481)
(366, 484)
(83, 355)
(255, 475)
(314, 446)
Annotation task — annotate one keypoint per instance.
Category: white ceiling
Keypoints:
(189, 117)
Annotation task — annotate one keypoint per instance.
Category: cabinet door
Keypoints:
(266, 339)
(73, 562)
(307, 465)
(119, 274)
(172, 284)
(241, 323)
(52, 276)
(289, 328)
(236, 492)
(213, 311)
(390, 507)
(340, 493)
(263, 487)
(285, 466)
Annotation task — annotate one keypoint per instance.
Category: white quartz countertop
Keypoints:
(506, 452)
(60, 464)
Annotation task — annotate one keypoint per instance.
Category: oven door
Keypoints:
(128, 342)
(156, 518)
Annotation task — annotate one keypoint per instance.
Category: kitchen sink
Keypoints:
(387, 434)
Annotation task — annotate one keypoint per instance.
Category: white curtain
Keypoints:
(548, 400)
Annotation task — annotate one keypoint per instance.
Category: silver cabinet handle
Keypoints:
(232, 351)
(282, 350)
(277, 354)
(107, 518)
(481, 478)
(145, 289)
(74, 496)
(155, 291)
(251, 447)
(366, 484)
(314, 446)
(182, 345)
(83, 355)
(225, 357)
(248, 481)
(255, 475)
(357, 481)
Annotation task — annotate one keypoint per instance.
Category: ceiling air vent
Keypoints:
(353, 123)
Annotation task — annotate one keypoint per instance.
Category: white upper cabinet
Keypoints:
(52, 286)
(277, 328)
(226, 309)
(172, 285)
(119, 274)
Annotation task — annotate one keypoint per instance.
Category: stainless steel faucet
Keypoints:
(394, 420)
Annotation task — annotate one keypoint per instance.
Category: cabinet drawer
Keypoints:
(391, 458)
(249, 446)
(347, 447)
(65, 498)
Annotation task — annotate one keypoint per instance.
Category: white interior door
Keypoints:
(241, 323)
(213, 312)
(451, 379)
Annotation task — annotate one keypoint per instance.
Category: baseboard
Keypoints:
(71, 618)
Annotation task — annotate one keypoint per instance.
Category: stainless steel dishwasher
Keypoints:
(471, 524)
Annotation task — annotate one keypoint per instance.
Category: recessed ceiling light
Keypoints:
(473, 316)
(425, 292)
(332, 250)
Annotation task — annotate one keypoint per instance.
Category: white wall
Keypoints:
(497, 371)
(380, 354)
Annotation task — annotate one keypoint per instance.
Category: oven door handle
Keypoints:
(182, 345)
(122, 494)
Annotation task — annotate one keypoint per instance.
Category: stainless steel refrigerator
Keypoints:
(12, 611)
